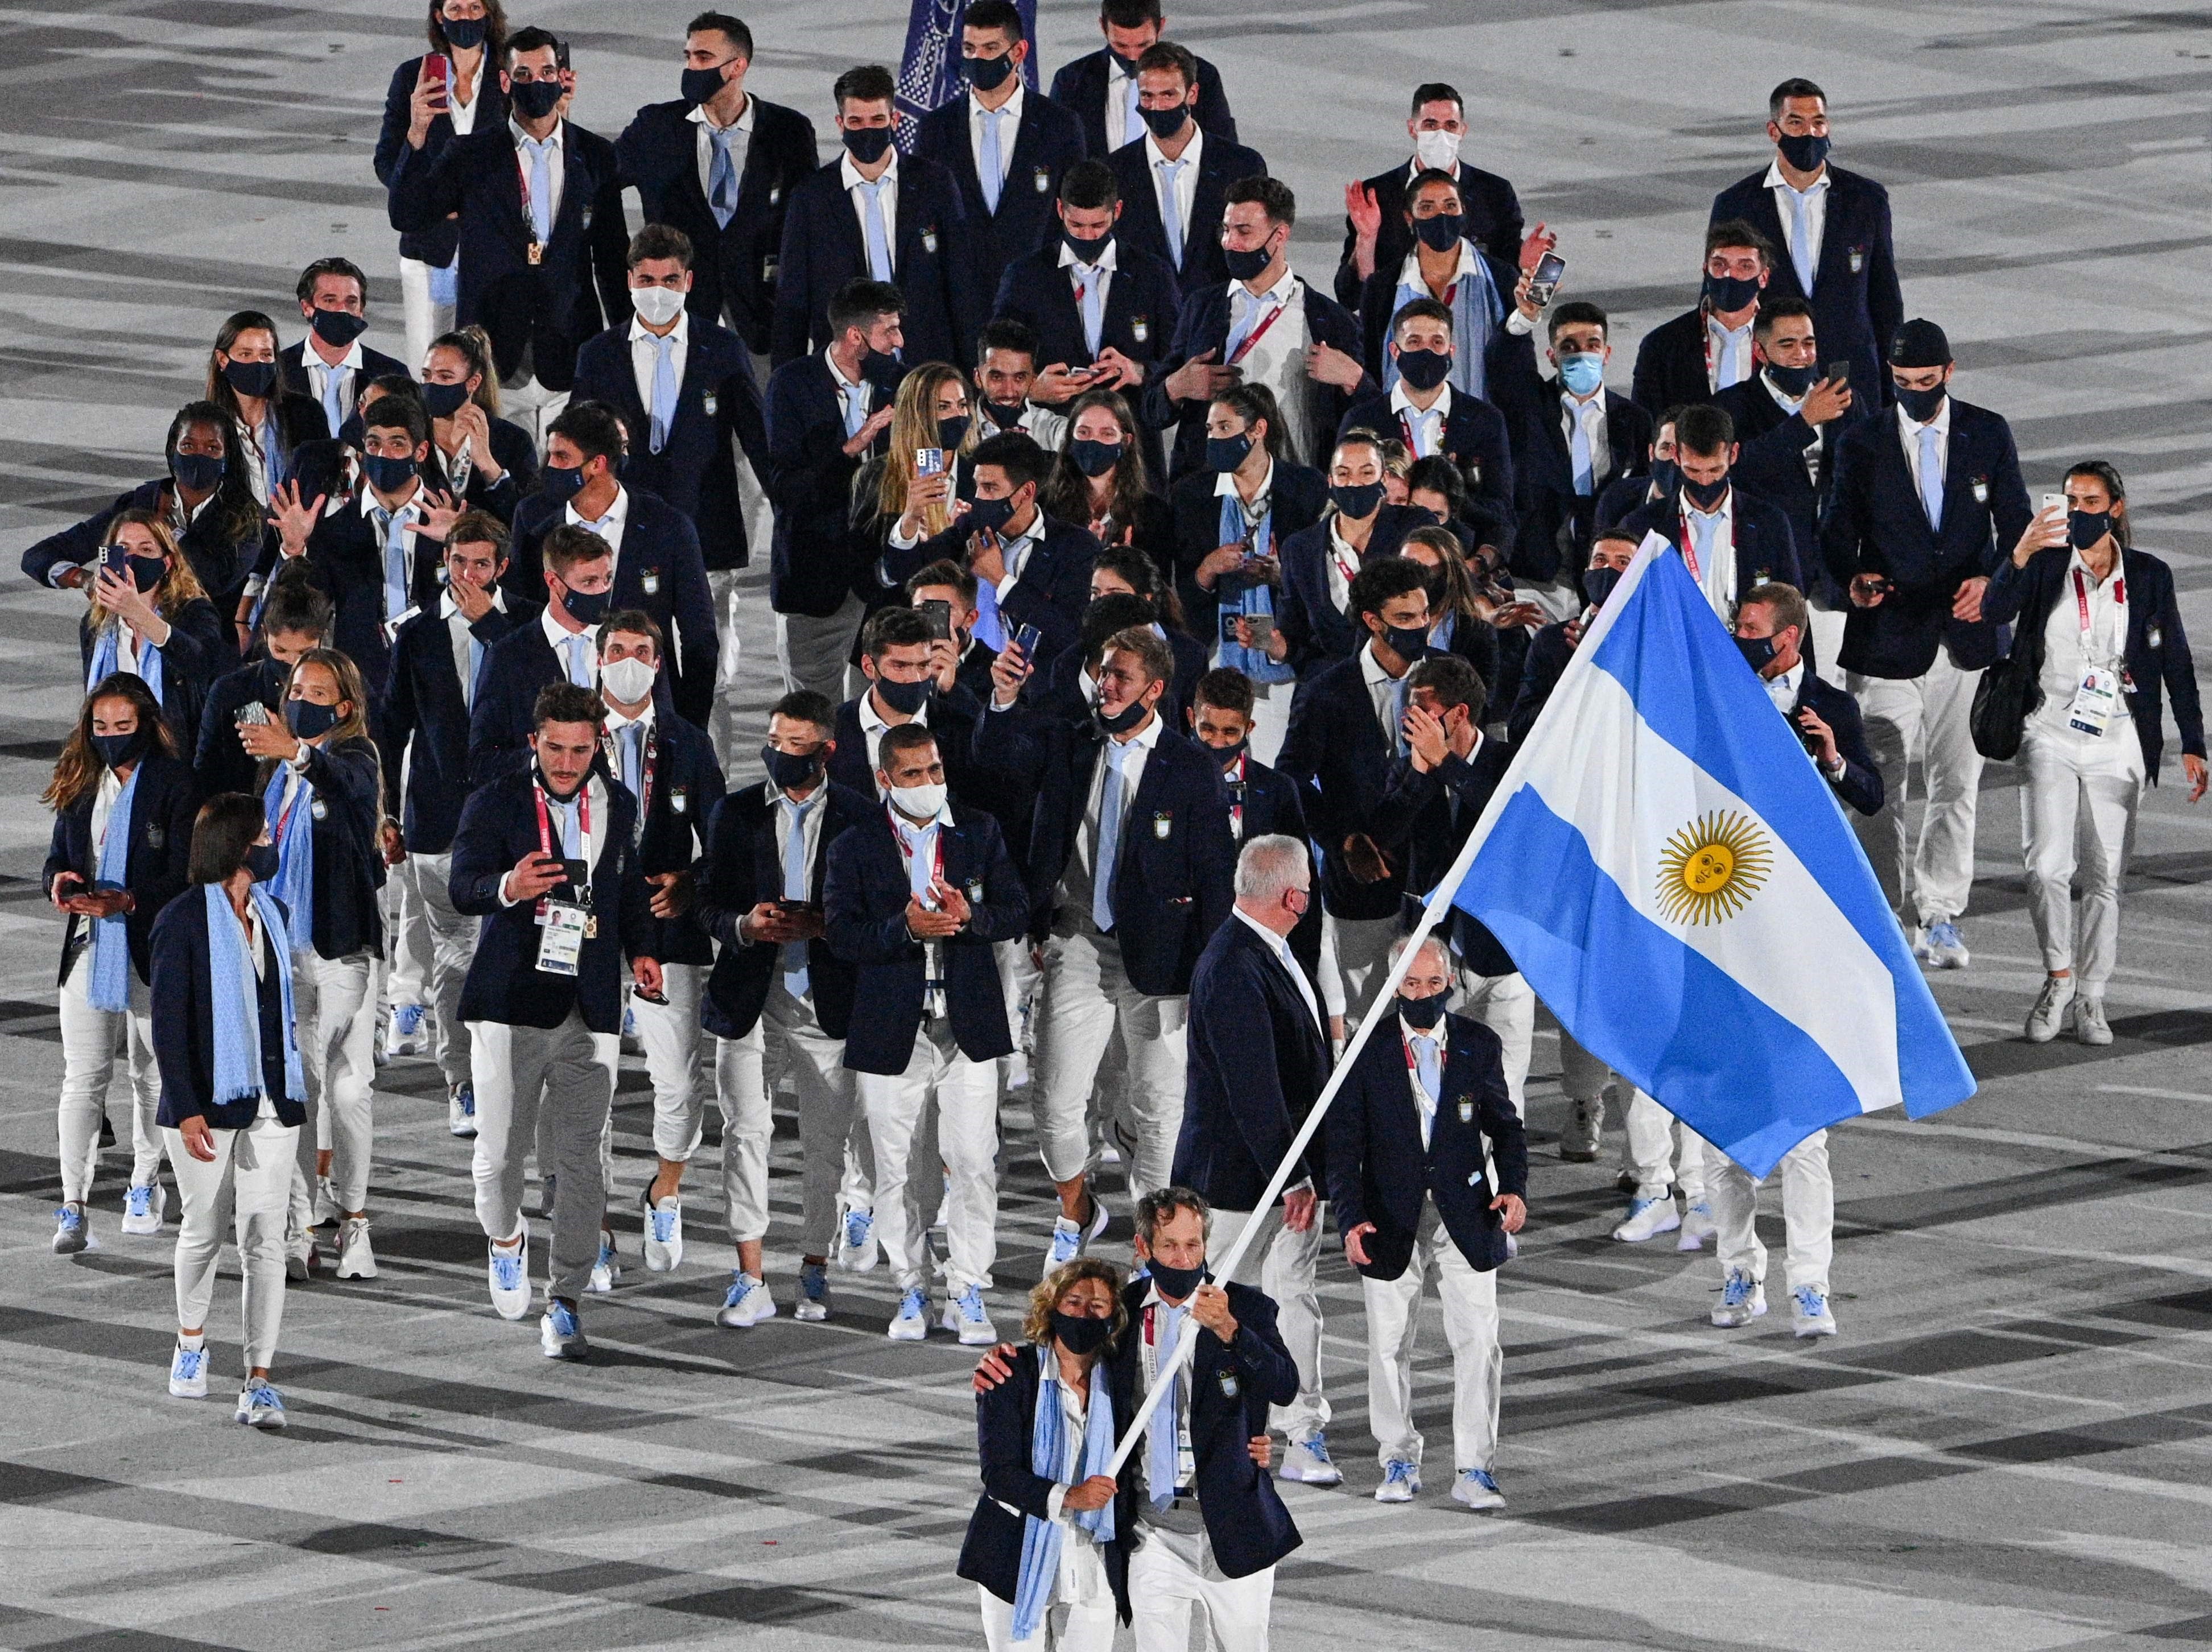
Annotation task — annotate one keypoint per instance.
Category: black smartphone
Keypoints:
(1839, 372)
(939, 613)
(798, 908)
(116, 560)
(578, 874)
(1544, 279)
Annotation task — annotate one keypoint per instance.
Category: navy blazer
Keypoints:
(220, 562)
(503, 714)
(1856, 302)
(1080, 86)
(1222, 161)
(1297, 496)
(1551, 536)
(199, 650)
(866, 894)
(685, 790)
(1479, 446)
(499, 826)
(1053, 590)
(660, 570)
(2156, 651)
(733, 264)
(436, 243)
(184, 1024)
(952, 717)
(1339, 754)
(1421, 821)
(292, 371)
(1877, 525)
(219, 760)
(1379, 1171)
(547, 308)
(1257, 1062)
(1204, 326)
(1046, 141)
(1670, 365)
(424, 708)
(1318, 630)
(718, 410)
(1005, 1427)
(348, 867)
(814, 559)
(1143, 303)
(1771, 463)
(162, 809)
(1174, 877)
(517, 458)
(1860, 784)
(345, 562)
(1492, 211)
(744, 866)
(932, 263)
(1765, 549)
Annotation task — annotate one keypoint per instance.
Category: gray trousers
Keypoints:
(555, 1087)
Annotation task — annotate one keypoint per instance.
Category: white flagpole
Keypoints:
(1440, 902)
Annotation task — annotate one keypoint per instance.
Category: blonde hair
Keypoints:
(180, 585)
(913, 424)
(1037, 1323)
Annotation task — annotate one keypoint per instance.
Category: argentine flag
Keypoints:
(1675, 881)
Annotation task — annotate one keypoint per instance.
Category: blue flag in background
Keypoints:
(929, 73)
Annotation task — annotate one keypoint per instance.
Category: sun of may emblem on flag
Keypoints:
(1711, 868)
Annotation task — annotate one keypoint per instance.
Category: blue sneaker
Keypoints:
(188, 1373)
(965, 1317)
(1401, 1482)
(404, 1036)
(664, 1232)
(1809, 1312)
(1942, 946)
(1743, 1299)
(813, 1293)
(461, 1110)
(72, 1233)
(912, 1323)
(1070, 1239)
(1477, 1489)
(509, 1271)
(560, 1334)
(608, 1268)
(143, 1209)
(259, 1405)
(857, 1248)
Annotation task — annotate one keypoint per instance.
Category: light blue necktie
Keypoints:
(1725, 365)
(1931, 477)
(1701, 529)
(1170, 213)
(1161, 1456)
(991, 172)
(1579, 450)
(1801, 241)
(795, 980)
(879, 246)
(541, 184)
(1089, 279)
(334, 407)
(856, 411)
(633, 759)
(990, 627)
(1399, 691)
(392, 530)
(1131, 122)
(1109, 838)
(1256, 310)
(579, 661)
(565, 815)
(1428, 1067)
(476, 674)
(663, 390)
(721, 178)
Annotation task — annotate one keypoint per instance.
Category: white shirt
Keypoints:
(103, 802)
(872, 730)
(1280, 946)
(1792, 406)
(1341, 564)
(1591, 414)
(645, 358)
(817, 807)
(1816, 212)
(1117, 105)
(1716, 569)
(560, 639)
(319, 370)
(1186, 190)
(1426, 430)
(1009, 115)
(1278, 358)
(1100, 274)
(1382, 689)
(1729, 347)
(741, 142)
(1782, 687)
(1909, 434)
(556, 165)
(1151, 1354)
(460, 636)
(2068, 655)
(609, 526)
(464, 115)
(856, 188)
(1080, 883)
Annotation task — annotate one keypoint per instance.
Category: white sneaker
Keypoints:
(2089, 1024)
(301, 1257)
(911, 1323)
(403, 1034)
(561, 1333)
(327, 1204)
(966, 1316)
(509, 1271)
(355, 1260)
(188, 1372)
(1809, 1312)
(663, 1233)
(461, 1110)
(1308, 1463)
(857, 1248)
(1697, 1226)
(1941, 947)
(143, 1209)
(1647, 1219)
(259, 1405)
(747, 1304)
(1401, 1482)
(1072, 1239)
(1743, 1299)
(72, 1230)
(608, 1268)
(1585, 1124)
(813, 1305)
(1478, 1489)
(2049, 1014)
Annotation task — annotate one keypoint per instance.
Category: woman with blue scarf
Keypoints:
(1048, 1545)
(151, 617)
(233, 1093)
(321, 782)
(123, 827)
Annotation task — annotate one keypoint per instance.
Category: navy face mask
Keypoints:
(443, 401)
(1225, 453)
(991, 515)
(2084, 529)
(1790, 381)
(1166, 122)
(261, 862)
(560, 482)
(1407, 641)
(1920, 406)
(1246, 266)
(1088, 249)
(1424, 370)
(1006, 415)
(307, 721)
(1757, 651)
(337, 328)
(1598, 584)
(386, 475)
(1666, 475)
(462, 34)
(867, 144)
(116, 749)
(1226, 754)
(699, 86)
(1078, 1334)
(951, 431)
(986, 73)
(146, 572)
(1704, 495)
(255, 379)
(587, 607)
(1357, 501)
(904, 698)
(1421, 1013)
(1440, 233)
(1730, 293)
(535, 99)
(789, 769)
(201, 472)
(1121, 721)
(1175, 1282)
(1805, 152)
(1094, 458)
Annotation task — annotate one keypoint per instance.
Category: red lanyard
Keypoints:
(2081, 598)
(1406, 425)
(292, 802)
(611, 743)
(1690, 543)
(583, 804)
(1348, 569)
(1253, 336)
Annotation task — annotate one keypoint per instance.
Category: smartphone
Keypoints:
(116, 560)
(1839, 372)
(253, 711)
(928, 461)
(2055, 503)
(438, 70)
(798, 908)
(1026, 639)
(1263, 627)
(939, 613)
(1544, 279)
(578, 874)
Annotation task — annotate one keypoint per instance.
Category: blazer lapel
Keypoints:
(576, 183)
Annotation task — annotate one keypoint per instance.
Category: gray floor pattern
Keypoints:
(2009, 1446)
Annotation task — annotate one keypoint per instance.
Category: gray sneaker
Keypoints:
(1585, 1123)
(2049, 1014)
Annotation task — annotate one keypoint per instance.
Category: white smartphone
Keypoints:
(2054, 502)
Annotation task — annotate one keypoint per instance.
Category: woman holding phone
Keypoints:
(488, 462)
(148, 618)
(122, 807)
(1100, 479)
(466, 37)
(233, 1093)
(920, 483)
(321, 782)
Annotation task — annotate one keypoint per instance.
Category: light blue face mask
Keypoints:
(1581, 373)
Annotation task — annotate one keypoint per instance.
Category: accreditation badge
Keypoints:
(710, 402)
(560, 942)
(1043, 180)
(1466, 1109)
(651, 582)
(929, 241)
(679, 799)
(1140, 327)
(318, 810)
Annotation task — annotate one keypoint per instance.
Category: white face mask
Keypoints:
(656, 306)
(1436, 151)
(918, 802)
(627, 680)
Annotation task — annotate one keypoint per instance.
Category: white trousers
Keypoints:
(426, 319)
(813, 653)
(1287, 1262)
(334, 1006)
(1653, 1155)
(88, 1039)
(249, 1184)
(1827, 642)
(1582, 1077)
(1170, 1573)
(1363, 960)
(1084, 997)
(2077, 812)
(1923, 718)
(727, 725)
(1507, 1005)
(452, 949)
(1394, 1322)
(966, 1096)
(1808, 1214)
(530, 404)
(829, 1123)
(676, 1058)
(406, 938)
(1086, 1628)
(558, 1081)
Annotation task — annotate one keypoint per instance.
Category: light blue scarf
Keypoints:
(1040, 1538)
(1255, 599)
(111, 945)
(108, 650)
(295, 855)
(235, 1010)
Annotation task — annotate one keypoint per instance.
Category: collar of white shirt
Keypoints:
(1780, 400)
(871, 724)
(1409, 273)
(1284, 289)
(408, 510)
(1105, 258)
(1146, 738)
(1940, 424)
(744, 122)
(514, 130)
(679, 334)
(617, 514)
(837, 374)
(1012, 108)
(447, 607)
(559, 638)
(1720, 330)
(1155, 157)
(849, 175)
(1414, 169)
(1278, 944)
(1782, 687)
(353, 359)
(1225, 483)
(901, 823)
(1774, 180)
(615, 722)
(1372, 672)
(1402, 402)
